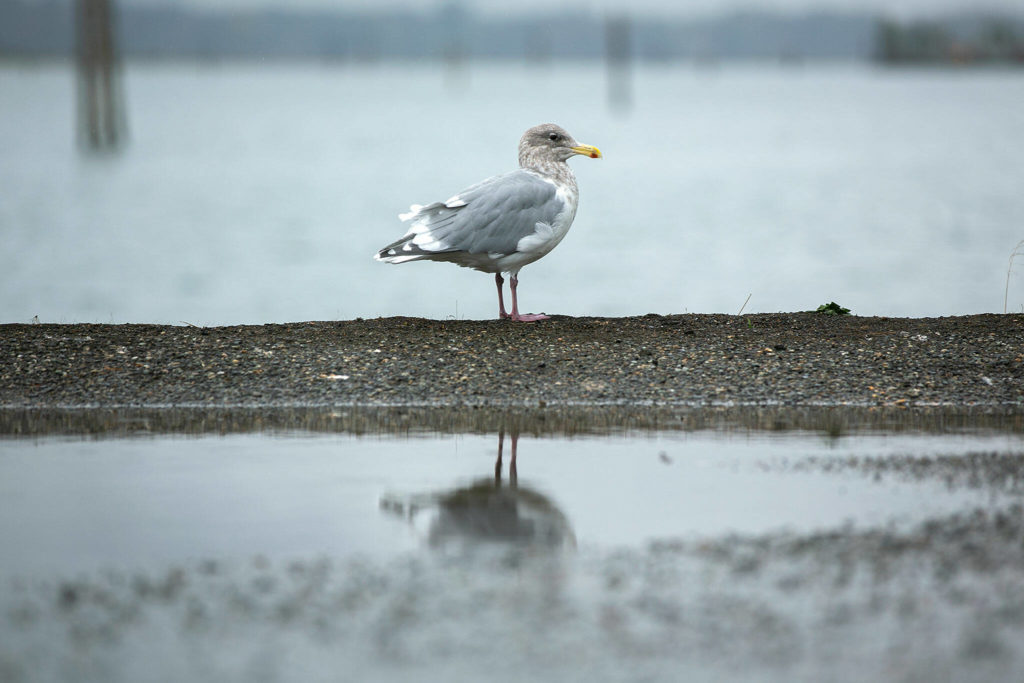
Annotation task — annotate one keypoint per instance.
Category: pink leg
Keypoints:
(526, 317)
(497, 465)
(498, 280)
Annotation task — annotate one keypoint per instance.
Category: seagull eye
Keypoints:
(553, 136)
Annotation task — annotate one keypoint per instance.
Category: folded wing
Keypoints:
(489, 218)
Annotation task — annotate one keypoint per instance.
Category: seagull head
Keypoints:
(548, 142)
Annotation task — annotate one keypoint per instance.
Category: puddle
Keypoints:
(72, 505)
(756, 555)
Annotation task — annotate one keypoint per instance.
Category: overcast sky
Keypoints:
(900, 8)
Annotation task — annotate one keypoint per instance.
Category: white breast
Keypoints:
(547, 236)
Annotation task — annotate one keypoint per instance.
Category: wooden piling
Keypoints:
(101, 120)
(618, 54)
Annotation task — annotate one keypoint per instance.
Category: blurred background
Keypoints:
(231, 161)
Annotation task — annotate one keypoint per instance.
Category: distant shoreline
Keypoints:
(779, 360)
(454, 34)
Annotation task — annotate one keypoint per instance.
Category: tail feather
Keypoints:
(427, 235)
(401, 251)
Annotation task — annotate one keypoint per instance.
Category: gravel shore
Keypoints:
(790, 359)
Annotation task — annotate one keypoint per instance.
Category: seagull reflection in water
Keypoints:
(487, 512)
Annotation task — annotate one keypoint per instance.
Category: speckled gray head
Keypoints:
(547, 143)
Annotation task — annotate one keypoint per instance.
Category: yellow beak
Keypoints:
(587, 151)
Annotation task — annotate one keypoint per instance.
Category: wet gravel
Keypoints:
(763, 359)
(1003, 472)
(552, 419)
(943, 601)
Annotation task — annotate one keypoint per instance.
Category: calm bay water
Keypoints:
(256, 194)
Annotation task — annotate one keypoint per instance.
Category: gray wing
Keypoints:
(490, 217)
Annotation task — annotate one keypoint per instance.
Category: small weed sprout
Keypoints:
(832, 308)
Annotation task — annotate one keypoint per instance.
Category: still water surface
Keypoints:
(68, 505)
(258, 193)
(653, 556)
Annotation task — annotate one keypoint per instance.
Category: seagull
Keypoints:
(505, 222)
